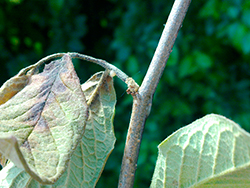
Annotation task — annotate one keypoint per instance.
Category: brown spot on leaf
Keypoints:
(35, 113)
(26, 145)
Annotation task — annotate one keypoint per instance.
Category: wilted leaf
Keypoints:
(10, 88)
(47, 118)
(90, 156)
(211, 152)
(13, 86)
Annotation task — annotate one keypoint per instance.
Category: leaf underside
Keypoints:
(46, 119)
(211, 152)
(90, 156)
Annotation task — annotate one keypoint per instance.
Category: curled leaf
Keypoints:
(12, 86)
(99, 138)
(47, 118)
(89, 158)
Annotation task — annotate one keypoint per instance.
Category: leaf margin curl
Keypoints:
(63, 69)
(71, 178)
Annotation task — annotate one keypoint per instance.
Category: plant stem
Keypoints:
(143, 100)
(102, 63)
(132, 85)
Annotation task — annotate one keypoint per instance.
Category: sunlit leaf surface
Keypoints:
(211, 152)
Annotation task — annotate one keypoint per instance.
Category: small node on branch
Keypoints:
(112, 73)
(133, 87)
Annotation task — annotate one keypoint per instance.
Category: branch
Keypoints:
(102, 63)
(132, 85)
(143, 100)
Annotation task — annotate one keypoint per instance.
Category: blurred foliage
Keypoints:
(208, 70)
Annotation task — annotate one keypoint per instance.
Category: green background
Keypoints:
(208, 70)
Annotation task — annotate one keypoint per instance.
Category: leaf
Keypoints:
(3, 160)
(246, 43)
(99, 139)
(211, 152)
(10, 88)
(13, 86)
(46, 119)
(202, 60)
(187, 66)
(90, 156)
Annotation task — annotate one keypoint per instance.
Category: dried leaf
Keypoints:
(90, 156)
(47, 118)
(15, 84)
(10, 88)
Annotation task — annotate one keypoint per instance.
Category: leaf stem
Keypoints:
(143, 100)
(132, 85)
(102, 63)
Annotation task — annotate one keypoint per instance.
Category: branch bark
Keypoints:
(142, 101)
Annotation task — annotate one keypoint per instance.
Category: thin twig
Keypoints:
(132, 85)
(33, 67)
(102, 63)
(143, 100)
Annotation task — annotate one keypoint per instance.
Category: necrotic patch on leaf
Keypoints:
(48, 118)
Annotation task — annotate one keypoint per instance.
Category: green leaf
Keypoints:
(236, 32)
(245, 17)
(90, 156)
(99, 139)
(202, 60)
(42, 124)
(246, 43)
(210, 9)
(187, 66)
(211, 152)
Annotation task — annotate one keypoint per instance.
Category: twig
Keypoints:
(132, 85)
(102, 63)
(143, 100)
(33, 67)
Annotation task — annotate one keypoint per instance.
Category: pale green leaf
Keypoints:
(90, 156)
(211, 152)
(41, 125)
(99, 139)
